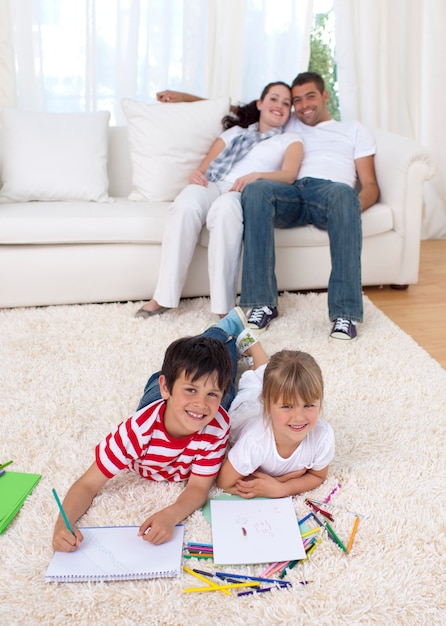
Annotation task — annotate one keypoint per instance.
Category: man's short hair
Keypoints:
(309, 77)
(198, 356)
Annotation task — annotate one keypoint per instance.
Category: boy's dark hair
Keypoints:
(309, 77)
(197, 357)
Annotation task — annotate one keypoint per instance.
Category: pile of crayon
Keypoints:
(198, 550)
(225, 582)
(316, 508)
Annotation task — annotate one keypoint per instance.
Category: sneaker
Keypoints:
(245, 340)
(233, 323)
(260, 317)
(343, 329)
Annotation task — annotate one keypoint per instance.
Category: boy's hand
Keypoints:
(63, 540)
(76, 502)
(168, 95)
(158, 528)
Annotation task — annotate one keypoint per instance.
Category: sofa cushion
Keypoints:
(376, 220)
(82, 222)
(168, 141)
(124, 221)
(54, 156)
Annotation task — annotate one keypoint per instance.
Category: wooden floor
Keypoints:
(420, 310)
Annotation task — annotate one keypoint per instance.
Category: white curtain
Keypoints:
(85, 55)
(8, 92)
(390, 56)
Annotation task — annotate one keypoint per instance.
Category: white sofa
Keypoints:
(64, 252)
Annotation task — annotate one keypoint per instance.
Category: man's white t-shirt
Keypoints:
(265, 156)
(253, 447)
(331, 148)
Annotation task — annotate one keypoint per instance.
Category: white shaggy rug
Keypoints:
(71, 373)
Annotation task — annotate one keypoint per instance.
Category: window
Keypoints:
(322, 56)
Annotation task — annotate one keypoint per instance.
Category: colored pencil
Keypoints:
(220, 587)
(206, 580)
(259, 579)
(319, 510)
(312, 549)
(304, 519)
(353, 533)
(334, 536)
(312, 531)
(332, 492)
(198, 556)
(263, 589)
(62, 512)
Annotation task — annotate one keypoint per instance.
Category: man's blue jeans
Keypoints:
(152, 388)
(330, 206)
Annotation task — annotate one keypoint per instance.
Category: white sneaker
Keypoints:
(245, 340)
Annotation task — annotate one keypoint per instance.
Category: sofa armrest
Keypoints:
(402, 167)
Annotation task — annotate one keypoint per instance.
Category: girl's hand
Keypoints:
(241, 182)
(198, 178)
(259, 485)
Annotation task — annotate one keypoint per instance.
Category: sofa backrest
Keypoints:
(1, 155)
(119, 165)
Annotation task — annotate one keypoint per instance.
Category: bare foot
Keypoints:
(152, 305)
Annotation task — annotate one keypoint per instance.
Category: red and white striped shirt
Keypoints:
(141, 443)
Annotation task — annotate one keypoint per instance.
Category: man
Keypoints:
(335, 155)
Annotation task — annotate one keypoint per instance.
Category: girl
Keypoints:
(288, 451)
(252, 147)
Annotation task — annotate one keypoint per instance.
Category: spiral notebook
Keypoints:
(117, 553)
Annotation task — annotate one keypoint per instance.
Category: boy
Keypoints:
(182, 436)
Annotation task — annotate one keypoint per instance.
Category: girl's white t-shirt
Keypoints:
(265, 156)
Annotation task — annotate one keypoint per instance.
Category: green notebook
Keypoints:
(14, 489)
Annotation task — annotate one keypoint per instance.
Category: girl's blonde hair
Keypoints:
(291, 374)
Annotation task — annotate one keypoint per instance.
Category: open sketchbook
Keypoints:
(117, 553)
(255, 531)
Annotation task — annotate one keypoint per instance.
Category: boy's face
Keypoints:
(191, 405)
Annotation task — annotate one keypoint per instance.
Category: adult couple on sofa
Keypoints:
(317, 188)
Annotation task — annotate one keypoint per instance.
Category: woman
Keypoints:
(252, 147)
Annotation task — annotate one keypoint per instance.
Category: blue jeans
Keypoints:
(152, 388)
(330, 206)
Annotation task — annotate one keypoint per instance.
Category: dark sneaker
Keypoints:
(343, 329)
(260, 317)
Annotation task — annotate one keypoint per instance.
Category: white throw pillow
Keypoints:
(54, 156)
(168, 141)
